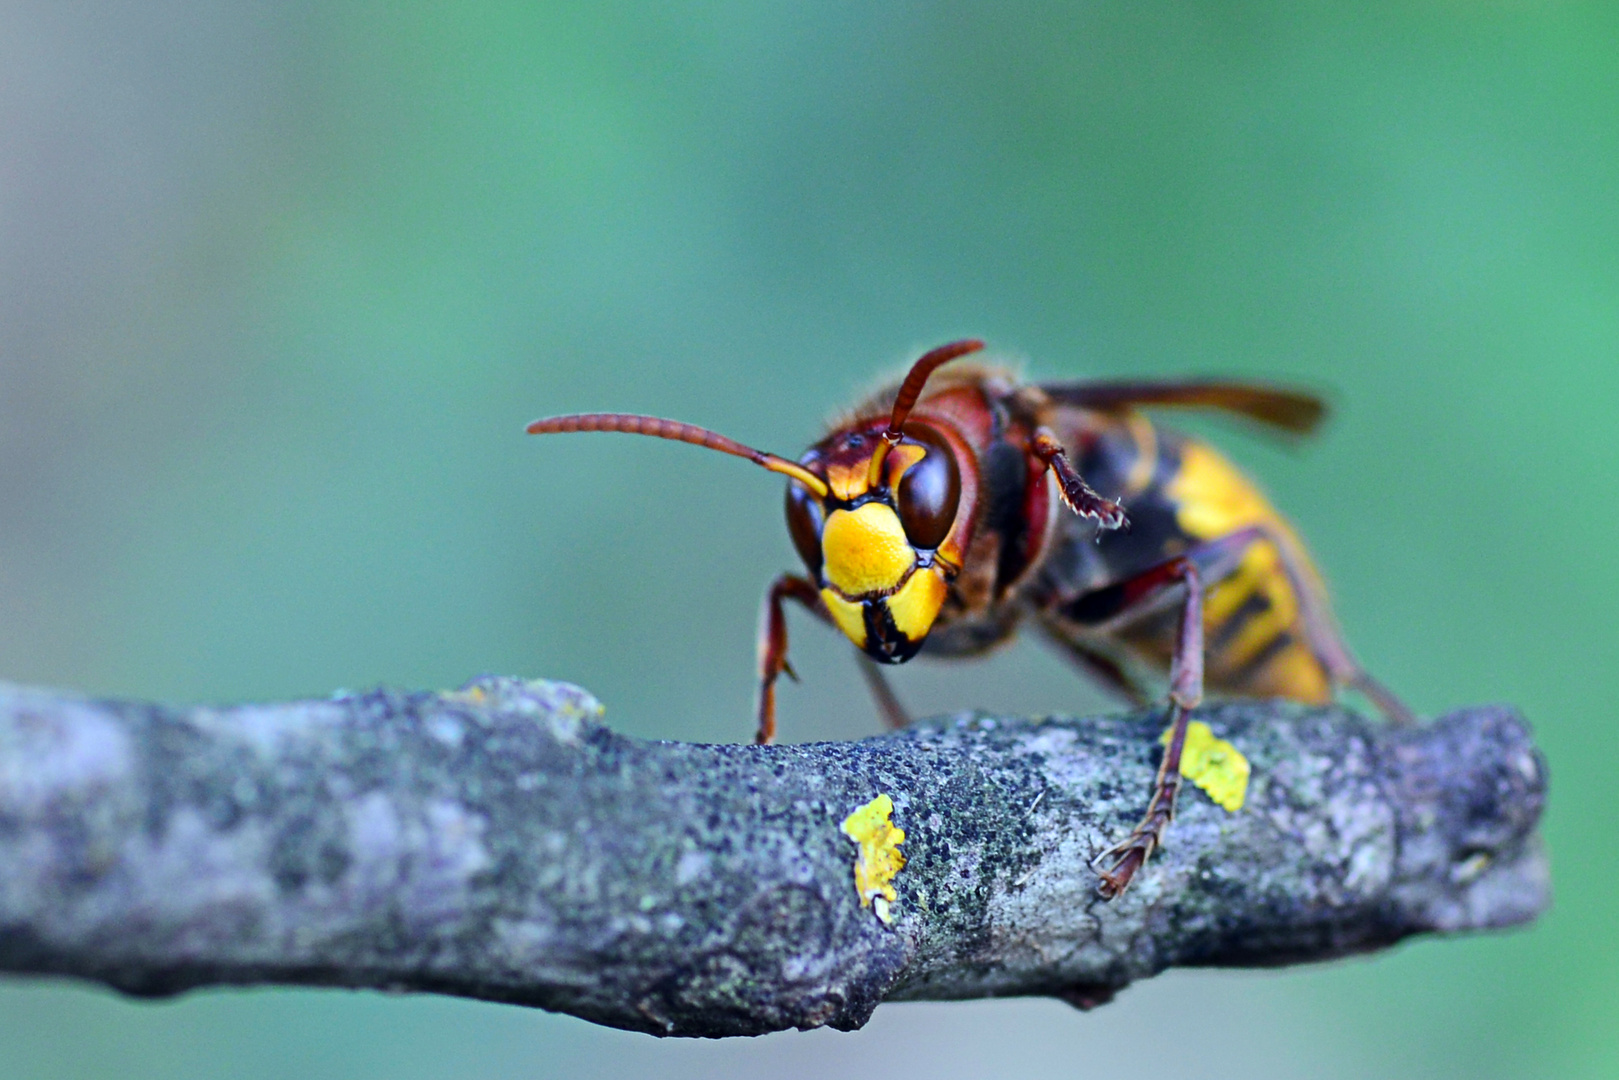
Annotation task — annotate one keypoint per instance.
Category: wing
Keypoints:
(1290, 410)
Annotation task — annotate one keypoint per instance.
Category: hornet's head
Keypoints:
(877, 542)
(871, 508)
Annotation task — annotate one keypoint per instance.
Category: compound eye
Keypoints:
(928, 494)
(805, 516)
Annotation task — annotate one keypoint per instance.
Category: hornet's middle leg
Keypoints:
(889, 706)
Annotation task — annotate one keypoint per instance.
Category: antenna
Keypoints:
(659, 428)
(909, 391)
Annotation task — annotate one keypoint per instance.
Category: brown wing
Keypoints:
(1290, 410)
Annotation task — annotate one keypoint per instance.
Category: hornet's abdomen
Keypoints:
(1252, 621)
(1180, 493)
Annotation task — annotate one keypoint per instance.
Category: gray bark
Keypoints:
(500, 843)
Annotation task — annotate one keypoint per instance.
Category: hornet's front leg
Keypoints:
(1076, 493)
(773, 657)
(773, 644)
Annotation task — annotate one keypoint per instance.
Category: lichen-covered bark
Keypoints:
(499, 842)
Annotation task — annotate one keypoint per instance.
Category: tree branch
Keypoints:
(498, 842)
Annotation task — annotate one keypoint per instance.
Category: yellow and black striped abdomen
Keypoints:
(1253, 624)
(1183, 498)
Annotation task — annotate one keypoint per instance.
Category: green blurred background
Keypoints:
(281, 282)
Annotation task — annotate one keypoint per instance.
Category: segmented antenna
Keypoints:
(659, 428)
(909, 391)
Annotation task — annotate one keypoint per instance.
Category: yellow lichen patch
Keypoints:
(1213, 765)
(879, 838)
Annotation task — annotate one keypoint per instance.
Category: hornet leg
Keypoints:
(773, 645)
(888, 704)
(1079, 496)
(1321, 632)
(773, 657)
(1121, 861)
(1116, 604)
(1109, 607)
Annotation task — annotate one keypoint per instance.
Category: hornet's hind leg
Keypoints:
(1111, 606)
(1119, 863)
(1321, 631)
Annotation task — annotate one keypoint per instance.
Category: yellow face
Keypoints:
(881, 573)
(875, 586)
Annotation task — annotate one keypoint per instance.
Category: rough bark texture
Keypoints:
(498, 842)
